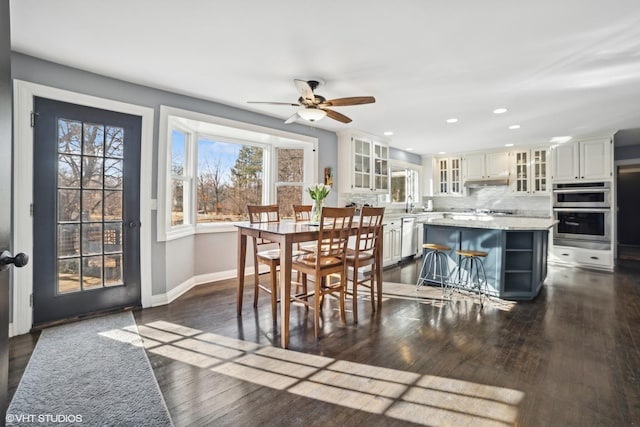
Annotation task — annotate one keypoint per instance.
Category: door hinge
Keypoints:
(33, 119)
(30, 300)
(31, 209)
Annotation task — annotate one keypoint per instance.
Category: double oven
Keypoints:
(583, 212)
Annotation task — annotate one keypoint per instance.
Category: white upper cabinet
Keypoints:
(596, 159)
(363, 163)
(486, 166)
(448, 174)
(474, 167)
(529, 169)
(497, 165)
(584, 160)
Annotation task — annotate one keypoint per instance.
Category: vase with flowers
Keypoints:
(318, 193)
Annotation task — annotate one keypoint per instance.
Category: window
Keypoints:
(180, 177)
(404, 183)
(230, 177)
(213, 168)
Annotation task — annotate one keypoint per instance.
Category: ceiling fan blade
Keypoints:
(304, 89)
(292, 118)
(273, 103)
(353, 100)
(337, 116)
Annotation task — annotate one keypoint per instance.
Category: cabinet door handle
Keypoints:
(594, 257)
(565, 254)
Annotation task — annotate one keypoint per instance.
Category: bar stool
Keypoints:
(434, 260)
(476, 277)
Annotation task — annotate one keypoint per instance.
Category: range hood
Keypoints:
(486, 182)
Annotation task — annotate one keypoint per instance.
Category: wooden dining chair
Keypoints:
(302, 213)
(270, 258)
(327, 259)
(363, 253)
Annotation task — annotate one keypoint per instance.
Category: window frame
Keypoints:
(413, 192)
(224, 130)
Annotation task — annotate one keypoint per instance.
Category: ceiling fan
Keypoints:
(314, 107)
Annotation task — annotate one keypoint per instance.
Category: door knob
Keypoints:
(6, 259)
(133, 224)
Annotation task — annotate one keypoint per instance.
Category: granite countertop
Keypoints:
(491, 222)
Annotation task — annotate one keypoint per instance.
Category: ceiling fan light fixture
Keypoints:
(312, 114)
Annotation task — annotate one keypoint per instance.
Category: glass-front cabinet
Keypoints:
(380, 167)
(530, 171)
(449, 173)
(363, 163)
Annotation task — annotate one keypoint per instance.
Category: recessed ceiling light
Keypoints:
(388, 133)
(442, 152)
(409, 149)
(508, 145)
(560, 139)
(452, 120)
(499, 111)
(514, 127)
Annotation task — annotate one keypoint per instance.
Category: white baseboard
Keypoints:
(11, 332)
(187, 285)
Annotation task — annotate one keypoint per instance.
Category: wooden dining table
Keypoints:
(285, 234)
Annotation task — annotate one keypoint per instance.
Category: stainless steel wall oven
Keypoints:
(587, 195)
(583, 212)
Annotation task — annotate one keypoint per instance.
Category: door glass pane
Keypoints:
(92, 239)
(68, 205)
(113, 270)
(112, 205)
(91, 205)
(114, 142)
(69, 136)
(93, 140)
(68, 275)
(112, 173)
(92, 272)
(112, 237)
(69, 171)
(92, 172)
(68, 240)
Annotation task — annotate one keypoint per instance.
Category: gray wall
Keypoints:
(405, 156)
(627, 152)
(626, 144)
(176, 261)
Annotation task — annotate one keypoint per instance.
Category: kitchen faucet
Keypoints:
(409, 206)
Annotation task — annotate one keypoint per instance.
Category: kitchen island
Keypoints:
(516, 264)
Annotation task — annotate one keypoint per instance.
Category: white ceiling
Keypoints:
(561, 67)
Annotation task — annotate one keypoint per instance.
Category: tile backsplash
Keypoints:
(499, 198)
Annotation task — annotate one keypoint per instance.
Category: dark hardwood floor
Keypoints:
(571, 357)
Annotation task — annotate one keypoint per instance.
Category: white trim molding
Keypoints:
(187, 285)
(24, 93)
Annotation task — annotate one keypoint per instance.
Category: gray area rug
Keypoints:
(93, 372)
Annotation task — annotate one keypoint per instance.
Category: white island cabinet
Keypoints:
(363, 163)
